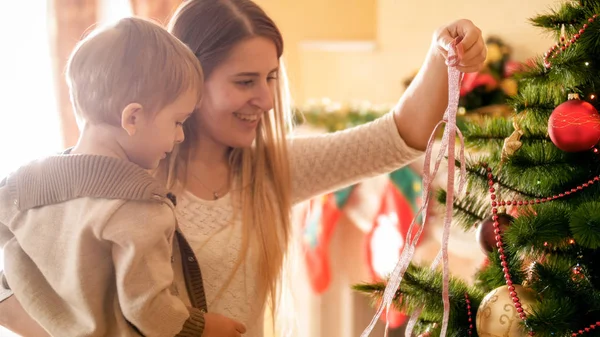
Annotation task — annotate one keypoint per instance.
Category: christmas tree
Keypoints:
(533, 202)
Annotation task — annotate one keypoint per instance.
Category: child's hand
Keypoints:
(216, 325)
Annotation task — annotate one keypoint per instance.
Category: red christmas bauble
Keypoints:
(574, 126)
(485, 232)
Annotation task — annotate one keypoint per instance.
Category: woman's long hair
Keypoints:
(211, 28)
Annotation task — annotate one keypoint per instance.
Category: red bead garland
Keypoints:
(499, 243)
(469, 314)
(517, 203)
(588, 329)
(557, 48)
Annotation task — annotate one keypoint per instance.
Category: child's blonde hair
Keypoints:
(132, 61)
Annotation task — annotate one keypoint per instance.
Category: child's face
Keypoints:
(156, 135)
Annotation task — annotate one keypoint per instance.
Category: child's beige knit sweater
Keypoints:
(88, 250)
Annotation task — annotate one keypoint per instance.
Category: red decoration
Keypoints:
(512, 67)
(577, 273)
(473, 80)
(574, 125)
(561, 46)
(485, 264)
(468, 301)
(319, 223)
(583, 331)
(485, 231)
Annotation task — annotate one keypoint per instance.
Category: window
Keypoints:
(29, 122)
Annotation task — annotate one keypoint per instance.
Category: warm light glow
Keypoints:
(592, 96)
(29, 124)
(386, 243)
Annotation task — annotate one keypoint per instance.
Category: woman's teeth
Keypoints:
(247, 117)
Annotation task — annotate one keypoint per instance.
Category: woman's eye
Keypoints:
(246, 83)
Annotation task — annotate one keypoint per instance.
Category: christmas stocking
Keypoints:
(390, 229)
(318, 225)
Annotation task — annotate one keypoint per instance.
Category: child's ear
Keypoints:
(131, 117)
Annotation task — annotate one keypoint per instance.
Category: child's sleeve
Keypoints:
(142, 234)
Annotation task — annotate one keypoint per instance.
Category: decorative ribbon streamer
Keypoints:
(448, 143)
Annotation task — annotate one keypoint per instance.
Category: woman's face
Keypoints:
(238, 93)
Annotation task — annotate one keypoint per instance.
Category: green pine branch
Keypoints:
(492, 276)
(570, 14)
(567, 14)
(539, 170)
(487, 136)
(423, 287)
(530, 231)
(466, 211)
(585, 224)
(567, 303)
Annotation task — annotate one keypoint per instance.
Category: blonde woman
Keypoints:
(237, 174)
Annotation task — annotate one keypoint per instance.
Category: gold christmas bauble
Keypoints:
(497, 315)
(494, 53)
(509, 86)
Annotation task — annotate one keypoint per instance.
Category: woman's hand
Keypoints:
(425, 100)
(471, 49)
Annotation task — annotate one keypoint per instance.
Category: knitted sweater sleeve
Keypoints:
(324, 163)
(141, 234)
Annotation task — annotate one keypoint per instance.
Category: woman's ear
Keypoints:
(131, 117)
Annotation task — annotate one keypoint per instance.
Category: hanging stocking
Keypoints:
(386, 240)
(318, 225)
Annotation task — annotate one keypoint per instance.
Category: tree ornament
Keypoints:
(497, 315)
(531, 272)
(574, 125)
(486, 237)
(513, 142)
(429, 330)
(577, 273)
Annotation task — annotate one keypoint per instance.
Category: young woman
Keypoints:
(238, 173)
